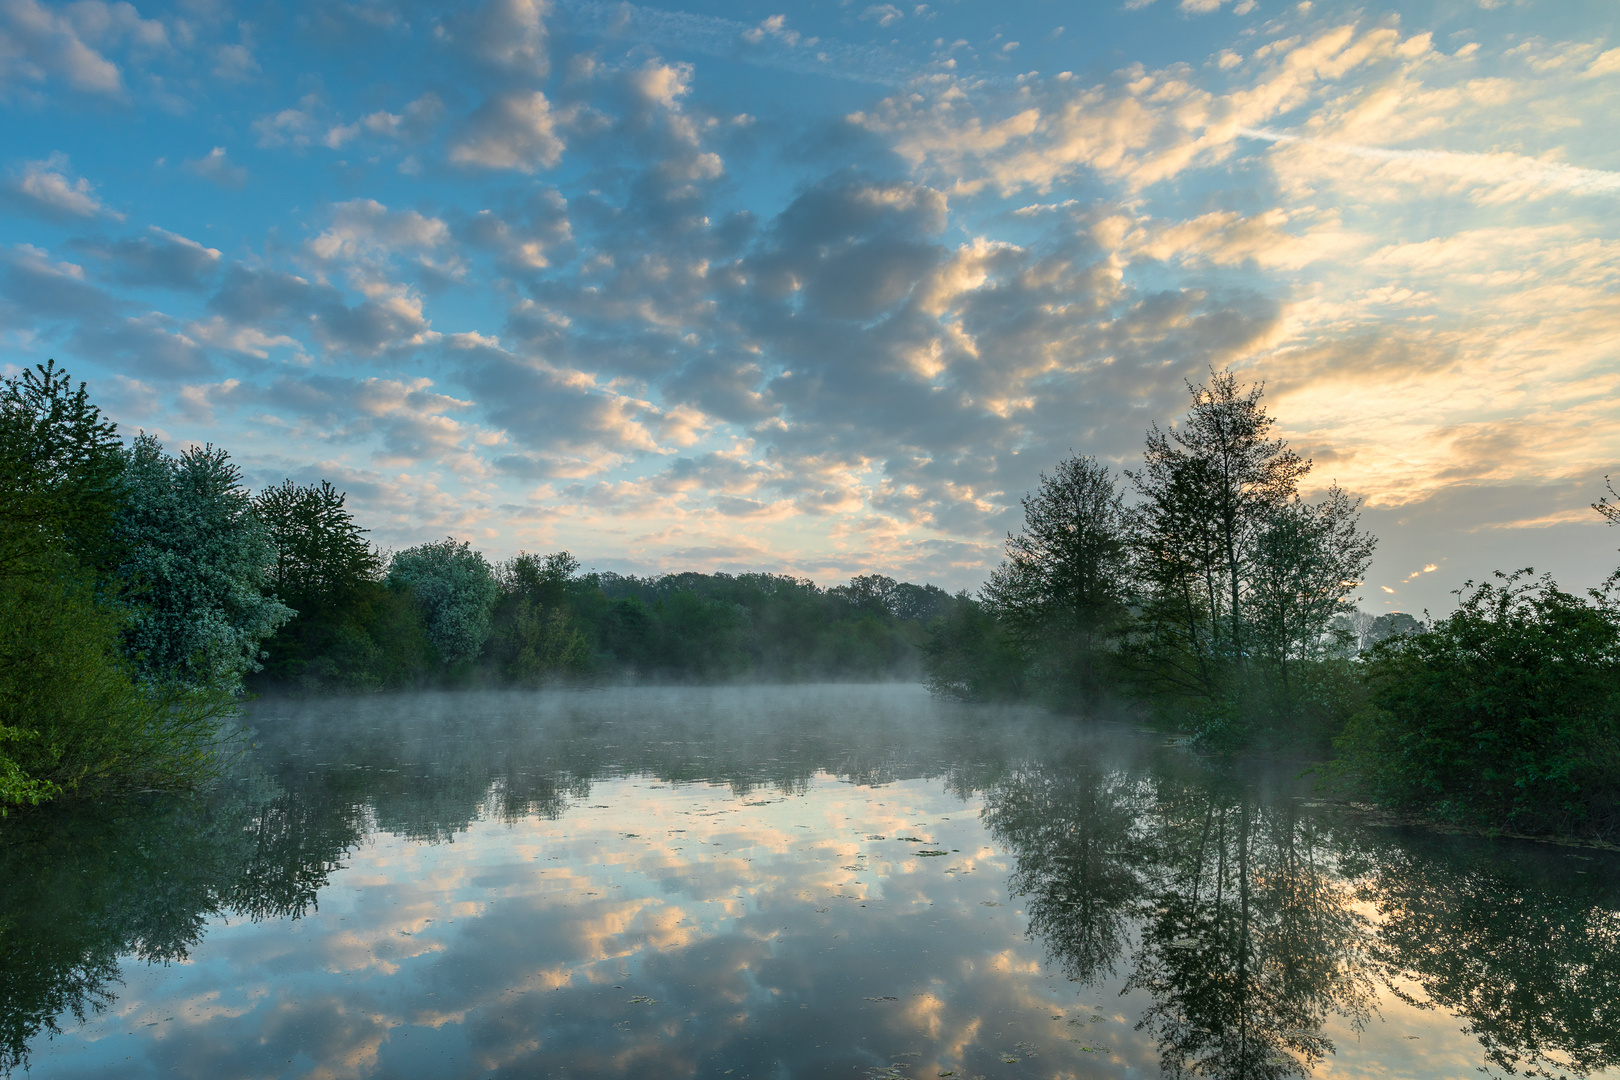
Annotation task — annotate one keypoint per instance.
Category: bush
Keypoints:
(73, 718)
(1505, 715)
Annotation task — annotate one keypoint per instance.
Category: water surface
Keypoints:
(824, 881)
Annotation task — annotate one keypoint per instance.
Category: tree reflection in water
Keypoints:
(1525, 946)
(1248, 924)
(82, 886)
(1245, 938)
(1240, 917)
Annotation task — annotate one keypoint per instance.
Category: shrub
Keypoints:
(1506, 714)
(73, 718)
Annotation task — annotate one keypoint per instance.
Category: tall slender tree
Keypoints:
(1214, 483)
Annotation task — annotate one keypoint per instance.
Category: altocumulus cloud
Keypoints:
(618, 277)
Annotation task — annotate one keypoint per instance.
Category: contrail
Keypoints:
(726, 38)
(1499, 168)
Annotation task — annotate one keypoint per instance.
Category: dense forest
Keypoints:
(142, 594)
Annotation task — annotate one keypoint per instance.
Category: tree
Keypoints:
(534, 636)
(60, 465)
(1239, 579)
(197, 562)
(968, 656)
(1609, 510)
(1213, 486)
(1505, 714)
(351, 632)
(455, 589)
(1302, 566)
(320, 552)
(1061, 592)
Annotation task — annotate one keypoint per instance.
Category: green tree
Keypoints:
(1506, 714)
(455, 590)
(534, 637)
(968, 656)
(1238, 578)
(197, 562)
(351, 633)
(1061, 593)
(60, 467)
(74, 719)
(1212, 487)
(1303, 566)
(320, 552)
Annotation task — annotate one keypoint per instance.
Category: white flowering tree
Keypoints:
(196, 563)
(456, 590)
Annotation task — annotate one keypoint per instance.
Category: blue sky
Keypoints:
(822, 288)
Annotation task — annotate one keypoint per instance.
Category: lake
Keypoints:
(840, 881)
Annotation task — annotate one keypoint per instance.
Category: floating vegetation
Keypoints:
(640, 1000)
(875, 836)
(928, 853)
(882, 999)
(988, 903)
(912, 839)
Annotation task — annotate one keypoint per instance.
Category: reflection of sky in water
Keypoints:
(669, 929)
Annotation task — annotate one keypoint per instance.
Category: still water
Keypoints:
(829, 881)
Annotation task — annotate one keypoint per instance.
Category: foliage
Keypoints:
(351, 632)
(1505, 714)
(197, 561)
(60, 465)
(535, 637)
(1062, 592)
(1238, 579)
(969, 657)
(1609, 505)
(75, 718)
(455, 589)
(1212, 489)
(320, 552)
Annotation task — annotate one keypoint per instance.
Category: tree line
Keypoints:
(1206, 591)
(143, 593)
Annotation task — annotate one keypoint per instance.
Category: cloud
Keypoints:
(158, 257)
(1139, 128)
(235, 63)
(289, 127)
(414, 124)
(215, 166)
(883, 14)
(506, 36)
(525, 237)
(1494, 177)
(47, 188)
(510, 131)
(38, 44)
(275, 301)
(363, 228)
(767, 44)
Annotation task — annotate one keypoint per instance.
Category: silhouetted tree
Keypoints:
(1061, 593)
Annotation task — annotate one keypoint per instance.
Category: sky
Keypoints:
(822, 289)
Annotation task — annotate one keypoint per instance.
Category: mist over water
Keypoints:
(844, 881)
